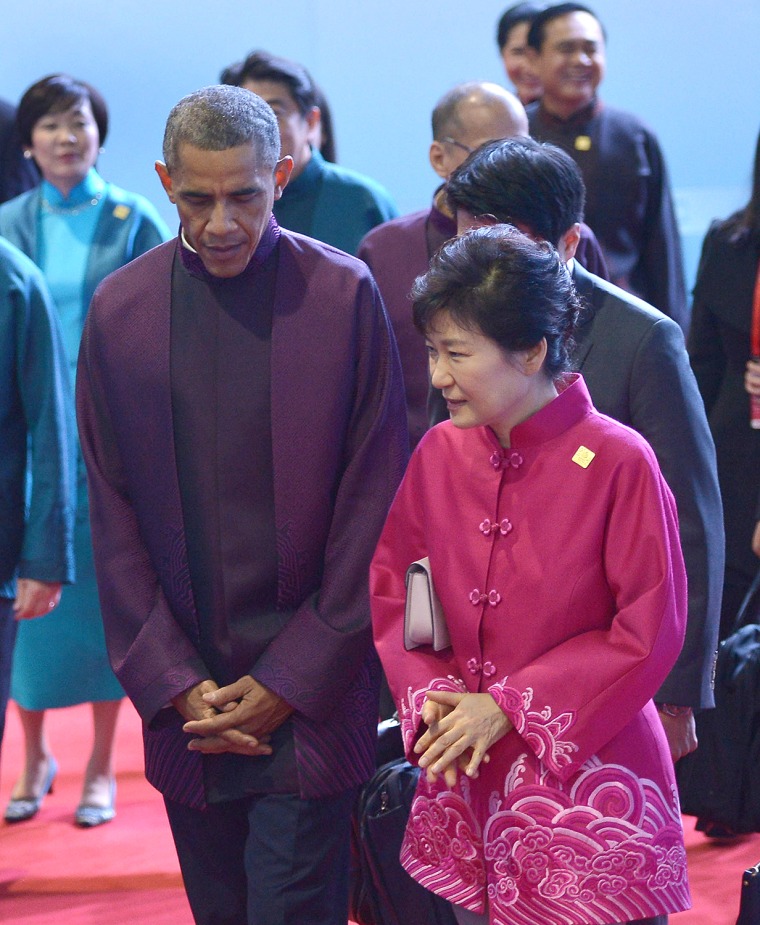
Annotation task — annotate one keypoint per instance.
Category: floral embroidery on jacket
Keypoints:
(540, 730)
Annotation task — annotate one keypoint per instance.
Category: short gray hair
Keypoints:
(221, 117)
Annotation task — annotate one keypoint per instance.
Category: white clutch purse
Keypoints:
(424, 622)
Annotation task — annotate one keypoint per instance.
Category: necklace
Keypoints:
(71, 210)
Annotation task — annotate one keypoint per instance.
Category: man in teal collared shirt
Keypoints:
(330, 203)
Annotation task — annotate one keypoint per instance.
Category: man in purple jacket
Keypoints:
(242, 420)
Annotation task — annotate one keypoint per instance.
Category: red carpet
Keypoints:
(126, 873)
(122, 873)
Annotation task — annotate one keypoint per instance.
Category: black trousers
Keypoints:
(272, 859)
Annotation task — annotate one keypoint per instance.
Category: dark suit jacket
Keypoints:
(628, 199)
(634, 361)
(719, 347)
(339, 448)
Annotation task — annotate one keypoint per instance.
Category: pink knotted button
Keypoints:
(489, 669)
(473, 665)
(501, 458)
(493, 597)
(487, 527)
(477, 597)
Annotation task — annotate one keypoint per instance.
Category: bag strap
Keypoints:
(749, 611)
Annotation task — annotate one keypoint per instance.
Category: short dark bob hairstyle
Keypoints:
(501, 283)
(58, 93)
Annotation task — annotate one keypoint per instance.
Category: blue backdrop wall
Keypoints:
(688, 67)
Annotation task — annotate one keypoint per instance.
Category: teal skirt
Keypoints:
(60, 659)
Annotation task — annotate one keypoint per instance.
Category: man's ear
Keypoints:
(313, 117)
(314, 122)
(568, 243)
(466, 222)
(166, 180)
(438, 160)
(282, 171)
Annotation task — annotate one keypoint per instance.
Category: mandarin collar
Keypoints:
(571, 404)
(90, 188)
(581, 117)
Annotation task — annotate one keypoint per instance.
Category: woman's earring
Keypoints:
(27, 154)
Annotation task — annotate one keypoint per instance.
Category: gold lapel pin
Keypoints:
(583, 456)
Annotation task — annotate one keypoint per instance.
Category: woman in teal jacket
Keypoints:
(77, 228)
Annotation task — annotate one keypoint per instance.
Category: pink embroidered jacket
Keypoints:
(558, 565)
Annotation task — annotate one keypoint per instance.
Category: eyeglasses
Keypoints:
(458, 144)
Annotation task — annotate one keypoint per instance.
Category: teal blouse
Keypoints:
(66, 232)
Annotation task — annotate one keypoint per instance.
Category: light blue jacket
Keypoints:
(128, 226)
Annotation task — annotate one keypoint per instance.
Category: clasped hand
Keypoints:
(461, 729)
(238, 718)
(681, 733)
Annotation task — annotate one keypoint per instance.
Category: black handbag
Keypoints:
(717, 782)
(749, 910)
(382, 892)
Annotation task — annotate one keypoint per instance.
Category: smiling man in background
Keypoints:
(629, 205)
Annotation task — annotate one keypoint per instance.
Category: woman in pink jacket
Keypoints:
(547, 793)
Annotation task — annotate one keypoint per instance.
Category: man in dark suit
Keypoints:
(634, 361)
(242, 421)
(629, 202)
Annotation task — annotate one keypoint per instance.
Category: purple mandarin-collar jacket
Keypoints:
(339, 449)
